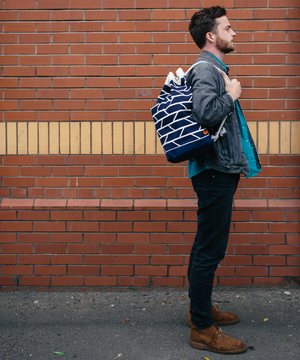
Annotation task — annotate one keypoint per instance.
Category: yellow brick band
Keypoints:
(124, 138)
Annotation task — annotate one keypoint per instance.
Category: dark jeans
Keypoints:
(215, 192)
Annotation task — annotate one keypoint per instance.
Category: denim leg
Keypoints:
(215, 191)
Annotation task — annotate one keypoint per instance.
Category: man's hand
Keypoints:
(233, 87)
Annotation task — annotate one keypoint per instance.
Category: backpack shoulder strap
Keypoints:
(199, 62)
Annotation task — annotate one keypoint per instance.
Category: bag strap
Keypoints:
(199, 62)
(221, 131)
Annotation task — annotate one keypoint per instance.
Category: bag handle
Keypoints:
(221, 131)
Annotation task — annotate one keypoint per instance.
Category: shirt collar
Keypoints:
(227, 68)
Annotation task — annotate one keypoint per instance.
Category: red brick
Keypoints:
(293, 216)
(85, 49)
(132, 238)
(251, 249)
(67, 15)
(16, 226)
(8, 105)
(17, 204)
(117, 270)
(84, 270)
(49, 226)
(52, 193)
(271, 216)
(50, 270)
(7, 281)
(67, 281)
(252, 271)
(293, 260)
(284, 204)
(166, 260)
(99, 238)
(33, 215)
(150, 204)
(285, 271)
(133, 260)
(180, 249)
(284, 228)
(133, 216)
(100, 259)
(269, 260)
(66, 238)
(19, 193)
(34, 15)
(180, 204)
(116, 249)
(268, 239)
(33, 238)
(174, 238)
(268, 281)
(182, 227)
(66, 259)
(229, 281)
(83, 227)
(293, 239)
(35, 280)
(151, 270)
(167, 281)
(134, 281)
(284, 249)
(66, 215)
(101, 281)
(19, 49)
(224, 271)
(8, 215)
(53, 4)
(83, 249)
(83, 204)
(33, 259)
(7, 238)
(17, 270)
(149, 227)
(50, 248)
(237, 260)
(178, 271)
(9, 259)
(116, 227)
(35, 105)
(251, 227)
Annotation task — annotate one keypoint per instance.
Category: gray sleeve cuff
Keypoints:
(230, 102)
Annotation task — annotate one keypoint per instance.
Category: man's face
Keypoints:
(225, 35)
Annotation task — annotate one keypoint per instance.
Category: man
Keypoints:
(215, 175)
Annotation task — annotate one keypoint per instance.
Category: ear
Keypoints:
(210, 37)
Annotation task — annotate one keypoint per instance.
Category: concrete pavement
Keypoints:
(143, 324)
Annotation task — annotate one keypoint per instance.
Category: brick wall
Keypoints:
(48, 242)
(77, 81)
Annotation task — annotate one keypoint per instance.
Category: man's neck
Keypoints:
(219, 54)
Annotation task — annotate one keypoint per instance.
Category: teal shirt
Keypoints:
(195, 167)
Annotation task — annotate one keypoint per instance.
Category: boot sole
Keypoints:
(220, 323)
(200, 346)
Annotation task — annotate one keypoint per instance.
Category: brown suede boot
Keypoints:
(220, 318)
(213, 339)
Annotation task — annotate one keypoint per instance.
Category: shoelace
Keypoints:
(221, 333)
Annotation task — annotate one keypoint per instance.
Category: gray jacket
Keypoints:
(210, 106)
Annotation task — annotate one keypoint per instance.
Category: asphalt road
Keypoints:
(143, 324)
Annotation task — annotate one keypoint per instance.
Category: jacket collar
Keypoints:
(207, 56)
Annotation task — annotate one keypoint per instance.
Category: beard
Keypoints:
(224, 45)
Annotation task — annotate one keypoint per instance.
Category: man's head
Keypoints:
(210, 26)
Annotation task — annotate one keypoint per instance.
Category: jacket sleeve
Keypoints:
(209, 108)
